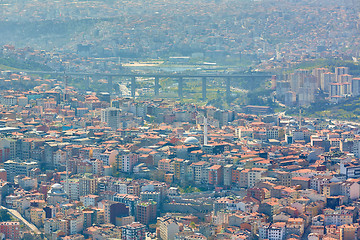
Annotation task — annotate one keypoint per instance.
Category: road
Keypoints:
(17, 215)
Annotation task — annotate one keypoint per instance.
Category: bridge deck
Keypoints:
(160, 75)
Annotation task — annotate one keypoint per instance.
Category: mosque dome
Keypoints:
(56, 189)
(191, 140)
(56, 186)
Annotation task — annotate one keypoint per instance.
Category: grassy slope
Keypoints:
(13, 64)
(347, 110)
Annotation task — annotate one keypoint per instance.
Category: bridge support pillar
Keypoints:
(133, 86)
(180, 87)
(110, 84)
(117, 88)
(203, 88)
(228, 91)
(87, 82)
(157, 86)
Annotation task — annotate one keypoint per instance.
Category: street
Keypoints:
(17, 215)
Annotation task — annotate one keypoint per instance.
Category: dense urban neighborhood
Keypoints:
(79, 165)
(179, 120)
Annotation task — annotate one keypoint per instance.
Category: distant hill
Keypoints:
(45, 35)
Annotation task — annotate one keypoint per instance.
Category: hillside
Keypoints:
(346, 110)
(14, 64)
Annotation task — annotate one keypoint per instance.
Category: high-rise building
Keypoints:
(228, 174)
(306, 93)
(111, 116)
(89, 217)
(345, 89)
(345, 78)
(216, 175)
(282, 88)
(125, 161)
(146, 212)
(340, 71)
(317, 72)
(98, 168)
(113, 210)
(325, 81)
(168, 228)
(290, 98)
(14, 168)
(254, 176)
(129, 200)
(76, 223)
(4, 150)
(198, 172)
(59, 158)
(87, 186)
(355, 86)
(335, 89)
(72, 188)
(297, 79)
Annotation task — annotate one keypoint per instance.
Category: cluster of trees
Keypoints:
(346, 110)
(4, 216)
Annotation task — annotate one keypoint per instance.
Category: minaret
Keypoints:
(205, 132)
(65, 87)
(67, 190)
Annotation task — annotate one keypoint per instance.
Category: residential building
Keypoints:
(133, 231)
(168, 228)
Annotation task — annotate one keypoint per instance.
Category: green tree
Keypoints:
(4, 215)
(157, 175)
